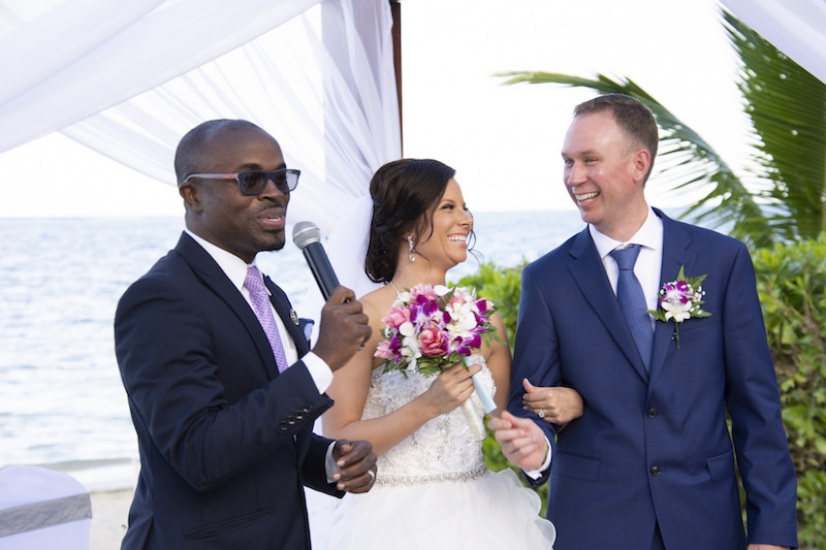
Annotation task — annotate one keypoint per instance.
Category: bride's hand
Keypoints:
(451, 388)
(558, 405)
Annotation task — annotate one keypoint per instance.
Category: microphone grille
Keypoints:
(306, 233)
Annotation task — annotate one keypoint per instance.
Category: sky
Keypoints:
(504, 141)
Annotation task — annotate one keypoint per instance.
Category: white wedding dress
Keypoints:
(433, 490)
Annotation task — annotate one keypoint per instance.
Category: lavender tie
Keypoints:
(632, 301)
(260, 299)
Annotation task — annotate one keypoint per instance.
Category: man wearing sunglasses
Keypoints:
(222, 385)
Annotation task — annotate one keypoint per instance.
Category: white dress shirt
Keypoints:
(236, 269)
(649, 262)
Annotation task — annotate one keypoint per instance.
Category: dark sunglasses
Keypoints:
(253, 182)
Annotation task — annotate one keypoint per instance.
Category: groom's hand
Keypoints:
(357, 466)
(523, 442)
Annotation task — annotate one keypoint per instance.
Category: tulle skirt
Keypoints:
(493, 511)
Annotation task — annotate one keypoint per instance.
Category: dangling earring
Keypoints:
(412, 250)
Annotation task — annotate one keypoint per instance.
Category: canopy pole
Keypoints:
(396, 11)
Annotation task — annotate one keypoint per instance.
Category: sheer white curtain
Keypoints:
(129, 80)
(82, 56)
(795, 27)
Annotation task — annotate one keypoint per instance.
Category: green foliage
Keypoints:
(502, 287)
(792, 286)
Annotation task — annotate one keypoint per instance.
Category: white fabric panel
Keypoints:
(39, 44)
(273, 82)
(116, 56)
(795, 27)
(331, 103)
(359, 99)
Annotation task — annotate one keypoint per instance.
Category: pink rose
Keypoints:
(432, 342)
(396, 317)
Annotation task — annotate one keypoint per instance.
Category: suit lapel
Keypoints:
(216, 280)
(288, 316)
(675, 255)
(589, 274)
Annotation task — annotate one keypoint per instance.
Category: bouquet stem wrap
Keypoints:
(487, 401)
(477, 427)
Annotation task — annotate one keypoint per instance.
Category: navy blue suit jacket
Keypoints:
(654, 448)
(226, 442)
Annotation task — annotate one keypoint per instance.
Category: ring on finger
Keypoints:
(541, 413)
(372, 475)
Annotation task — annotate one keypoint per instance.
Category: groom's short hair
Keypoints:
(631, 114)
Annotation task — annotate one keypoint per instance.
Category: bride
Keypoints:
(433, 489)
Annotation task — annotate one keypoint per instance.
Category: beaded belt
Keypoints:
(416, 480)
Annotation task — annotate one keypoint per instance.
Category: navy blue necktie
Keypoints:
(632, 301)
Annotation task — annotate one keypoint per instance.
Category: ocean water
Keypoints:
(61, 399)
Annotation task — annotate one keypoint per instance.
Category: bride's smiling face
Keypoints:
(451, 224)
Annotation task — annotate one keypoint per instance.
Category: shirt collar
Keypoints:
(234, 267)
(650, 236)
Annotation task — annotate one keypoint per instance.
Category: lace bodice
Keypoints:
(441, 449)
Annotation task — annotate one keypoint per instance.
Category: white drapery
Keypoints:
(795, 27)
(129, 79)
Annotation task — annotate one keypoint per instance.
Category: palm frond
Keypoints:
(685, 160)
(787, 106)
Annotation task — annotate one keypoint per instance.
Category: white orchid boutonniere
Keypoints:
(680, 300)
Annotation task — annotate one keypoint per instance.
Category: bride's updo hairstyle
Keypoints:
(405, 193)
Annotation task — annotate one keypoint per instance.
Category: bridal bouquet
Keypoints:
(430, 328)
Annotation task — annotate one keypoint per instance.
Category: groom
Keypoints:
(650, 463)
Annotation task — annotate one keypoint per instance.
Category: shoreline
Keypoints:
(101, 475)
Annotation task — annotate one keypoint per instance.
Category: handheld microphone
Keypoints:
(307, 237)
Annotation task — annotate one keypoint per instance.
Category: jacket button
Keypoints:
(291, 420)
(282, 425)
(655, 470)
(652, 413)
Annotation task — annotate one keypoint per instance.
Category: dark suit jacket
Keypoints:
(654, 448)
(226, 442)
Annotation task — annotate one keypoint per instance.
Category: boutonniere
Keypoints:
(680, 300)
